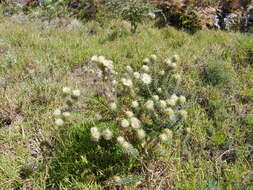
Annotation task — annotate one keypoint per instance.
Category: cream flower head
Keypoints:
(141, 134)
(182, 99)
(169, 111)
(149, 105)
(146, 78)
(127, 82)
(129, 69)
(153, 57)
(163, 137)
(137, 75)
(135, 104)
(76, 93)
(120, 139)
(155, 97)
(146, 61)
(124, 123)
(94, 58)
(145, 68)
(163, 104)
(66, 90)
(135, 123)
(129, 114)
(171, 101)
(183, 114)
(59, 122)
(113, 106)
(57, 113)
(107, 134)
(168, 132)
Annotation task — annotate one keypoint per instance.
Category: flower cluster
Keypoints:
(105, 65)
(153, 104)
(96, 134)
(64, 114)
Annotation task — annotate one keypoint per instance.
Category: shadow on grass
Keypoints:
(80, 159)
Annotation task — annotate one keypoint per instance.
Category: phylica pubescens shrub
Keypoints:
(146, 106)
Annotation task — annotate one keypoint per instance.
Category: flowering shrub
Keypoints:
(62, 115)
(147, 106)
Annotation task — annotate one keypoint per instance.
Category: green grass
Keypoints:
(37, 60)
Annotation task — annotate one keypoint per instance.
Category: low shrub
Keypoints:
(141, 117)
(217, 73)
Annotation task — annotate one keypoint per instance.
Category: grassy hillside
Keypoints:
(38, 59)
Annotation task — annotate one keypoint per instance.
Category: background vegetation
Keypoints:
(38, 58)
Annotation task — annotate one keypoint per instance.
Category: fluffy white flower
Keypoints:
(182, 99)
(168, 61)
(59, 122)
(159, 90)
(101, 59)
(135, 104)
(162, 73)
(172, 66)
(163, 104)
(183, 114)
(153, 57)
(66, 115)
(127, 82)
(146, 61)
(171, 101)
(113, 106)
(145, 68)
(107, 134)
(76, 93)
(66, 90)
(146, 78)
(188, 130)
(120, 139)
(93, 129)
(124, 123)
(149, 105)
(141, 133)
(177, 77)
(168, 132)
(135, 123)
(137, 75)
(151, 15)
(57, 113)
(155, 97)
(94, 58)
(129, 69)
(163, 137)
(126, 146)
(175, 58)
(98, 117)
(174, 96)
(117, 179)
(169, 111)
(129, 114)
(114, 82)
(95, 136)
(108, 64)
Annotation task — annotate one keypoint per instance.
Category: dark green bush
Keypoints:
(79, 159)
(217, 73)
(244, 52)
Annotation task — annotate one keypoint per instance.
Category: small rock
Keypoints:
(8, 12)
(231, 20)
